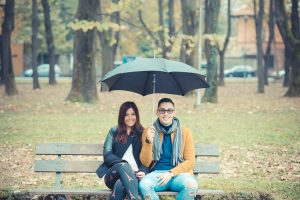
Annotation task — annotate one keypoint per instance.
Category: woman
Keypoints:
(121, 167)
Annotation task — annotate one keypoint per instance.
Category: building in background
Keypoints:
(242, 49)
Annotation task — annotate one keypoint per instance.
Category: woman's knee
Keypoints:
(118, 184)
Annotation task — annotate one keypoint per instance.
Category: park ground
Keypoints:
(258, 134)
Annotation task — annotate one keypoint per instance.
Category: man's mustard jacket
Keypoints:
(188, 152)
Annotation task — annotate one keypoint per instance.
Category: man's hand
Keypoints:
(164, 178)
(150, 134)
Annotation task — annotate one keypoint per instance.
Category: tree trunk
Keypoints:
(258, 29)
(84, 74)
(161, 32)
(49, 40)
(171, 27)
(270, 41)
(295, 19)
(221, 69)
(189, 28)
(1, 64)
(7, 28)
(287, 67)
(34, 45)
(222, 51)
(109, 50)
(212, 8)
(289, 36)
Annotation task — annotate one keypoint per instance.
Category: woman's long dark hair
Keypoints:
(122, 130)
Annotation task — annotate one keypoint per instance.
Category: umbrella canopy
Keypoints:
(155, 75)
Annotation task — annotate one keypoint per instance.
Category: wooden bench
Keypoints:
(204, 165)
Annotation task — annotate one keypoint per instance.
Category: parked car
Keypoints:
(277, 75)
(43, 71)
(240, 71)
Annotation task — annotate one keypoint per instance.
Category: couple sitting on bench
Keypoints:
(158, 158)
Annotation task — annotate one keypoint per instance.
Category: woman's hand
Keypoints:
(140, 174)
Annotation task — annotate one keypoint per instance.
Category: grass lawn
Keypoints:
(258, 134)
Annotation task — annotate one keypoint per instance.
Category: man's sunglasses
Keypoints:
(163, 111)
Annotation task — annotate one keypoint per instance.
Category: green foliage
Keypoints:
(85, 25)
(6, 194)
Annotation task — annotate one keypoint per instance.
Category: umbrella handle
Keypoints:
(154, 81)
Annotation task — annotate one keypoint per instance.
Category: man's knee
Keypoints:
(145, 183)
(191, 184)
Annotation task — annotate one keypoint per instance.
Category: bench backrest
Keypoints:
(59, 165)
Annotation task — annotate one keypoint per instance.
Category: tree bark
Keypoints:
(109, 50)
(49, 40)
(223, 50)
(212, 9)
(189, 28)
(270, 41)
(84, 74)
(287, 67)
(1, 64)
(258, 30)
(292, 44)
(34, 45)
(7, 28)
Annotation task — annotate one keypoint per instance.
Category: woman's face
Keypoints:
(130, 118)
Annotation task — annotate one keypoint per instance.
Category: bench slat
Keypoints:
(203, 167)
(66, 166)
(207, 150)
(207, 167)
(97, 149)
(68, 149)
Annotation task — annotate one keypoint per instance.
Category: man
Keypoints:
(168, 150)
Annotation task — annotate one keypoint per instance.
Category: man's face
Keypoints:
(166, 113)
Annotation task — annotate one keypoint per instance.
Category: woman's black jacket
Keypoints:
(114, 150)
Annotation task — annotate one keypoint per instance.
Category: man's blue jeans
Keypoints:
(185, 184)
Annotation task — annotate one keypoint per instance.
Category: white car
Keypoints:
(240, 71)
(278, 75)
(43, 71)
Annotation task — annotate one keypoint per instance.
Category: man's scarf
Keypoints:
(176, 147)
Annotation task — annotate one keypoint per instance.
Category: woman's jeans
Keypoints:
(184, 183)
(121, 180)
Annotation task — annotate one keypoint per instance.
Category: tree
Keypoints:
(290, 34)
(287, 66)
(109, 39)
(212, 8)
(6, 57)
(270, 41)
(189, 30)
(84, 74)
(163, 37)
(49, 41)
(222, 51)
(34, 45)
(258, 28)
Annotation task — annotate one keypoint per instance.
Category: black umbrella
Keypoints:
(154, 75)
